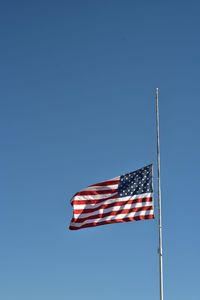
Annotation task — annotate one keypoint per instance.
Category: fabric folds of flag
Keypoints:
(121, 199)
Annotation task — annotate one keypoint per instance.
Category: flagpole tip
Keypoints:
(157, 92)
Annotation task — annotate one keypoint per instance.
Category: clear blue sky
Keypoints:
(77, 106)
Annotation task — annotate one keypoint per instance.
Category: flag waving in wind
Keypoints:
(121, 199)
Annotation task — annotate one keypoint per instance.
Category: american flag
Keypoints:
(121, 199)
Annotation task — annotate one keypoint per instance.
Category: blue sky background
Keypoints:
(77, 106)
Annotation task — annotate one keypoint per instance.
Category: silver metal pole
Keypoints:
(159, 202)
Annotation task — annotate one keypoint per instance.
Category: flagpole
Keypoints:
(159, 201)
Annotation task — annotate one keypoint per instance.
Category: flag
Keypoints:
(121, 199)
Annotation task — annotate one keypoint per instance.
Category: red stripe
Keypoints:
(93, 201)
(137, 218)
(110, 182)
(117, 203)
(97, 192)
(113, 213)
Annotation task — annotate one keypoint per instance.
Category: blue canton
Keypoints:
(137, 182)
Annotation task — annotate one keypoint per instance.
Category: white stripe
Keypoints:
(113, 208)
(93, 197)
(86, 206)
(109, 218)
(99, 188)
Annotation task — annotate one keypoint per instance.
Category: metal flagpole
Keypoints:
(159, 201)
